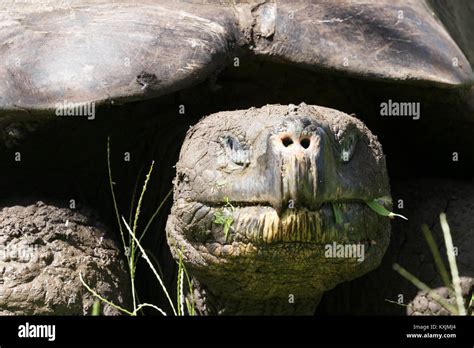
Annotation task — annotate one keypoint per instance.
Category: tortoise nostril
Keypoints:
(287, 141)
(305, 142)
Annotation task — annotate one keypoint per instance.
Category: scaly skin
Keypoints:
(272, 175)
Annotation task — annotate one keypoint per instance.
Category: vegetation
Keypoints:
(134, 250)
(223, 216)
(453, 284)
(380, 209)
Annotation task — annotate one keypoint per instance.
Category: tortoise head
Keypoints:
(271, 202)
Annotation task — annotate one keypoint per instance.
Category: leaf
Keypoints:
(381, 210)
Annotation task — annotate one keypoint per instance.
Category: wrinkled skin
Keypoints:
(275, 174)
(44, 250)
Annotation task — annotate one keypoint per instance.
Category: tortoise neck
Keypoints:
(207, 303)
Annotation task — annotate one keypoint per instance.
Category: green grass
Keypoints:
(134, 250)
(223, 216)
(453, 283)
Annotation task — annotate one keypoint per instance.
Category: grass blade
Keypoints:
(102, 298)
(452, 263)
(437, 256)
(147, 259)
(149, 305)
(134, 194)
(114, 200)
(96, 308)
(155, 214)
(422, 286)
(179, 287)
(139, 204)
(133, 260)
(192, 305)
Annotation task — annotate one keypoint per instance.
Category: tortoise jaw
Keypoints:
(263, 225)
(279, 252)
(297, 249)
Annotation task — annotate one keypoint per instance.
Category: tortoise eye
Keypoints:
(235, 151)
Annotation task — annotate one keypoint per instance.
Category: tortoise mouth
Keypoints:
(262, 225)
(311, 248)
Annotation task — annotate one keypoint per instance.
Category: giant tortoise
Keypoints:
(279, 173)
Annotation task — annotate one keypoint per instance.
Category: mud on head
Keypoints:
(261, 193)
